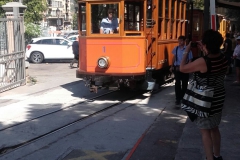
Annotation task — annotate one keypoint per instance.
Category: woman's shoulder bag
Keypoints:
(198, 98)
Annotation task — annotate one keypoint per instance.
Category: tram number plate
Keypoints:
(162, 61)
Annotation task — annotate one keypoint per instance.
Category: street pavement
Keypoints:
(167, 138)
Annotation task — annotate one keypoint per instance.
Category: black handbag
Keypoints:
(198, 98)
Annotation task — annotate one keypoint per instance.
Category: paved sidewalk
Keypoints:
(190, 145)
(189, 142)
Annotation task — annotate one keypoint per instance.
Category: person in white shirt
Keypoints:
(109, 25)
(236, 56)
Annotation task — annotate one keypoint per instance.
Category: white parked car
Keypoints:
(73, 38)
(49, 48)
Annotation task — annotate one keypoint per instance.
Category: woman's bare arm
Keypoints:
(197, 65)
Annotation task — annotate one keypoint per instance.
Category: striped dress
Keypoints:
(217, 68)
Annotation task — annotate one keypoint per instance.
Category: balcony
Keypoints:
(49, 3)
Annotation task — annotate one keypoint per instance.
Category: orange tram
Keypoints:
(195, 29)
(138, 53)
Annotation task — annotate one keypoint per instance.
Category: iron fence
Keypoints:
(12, 53)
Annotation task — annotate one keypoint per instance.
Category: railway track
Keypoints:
(110, 95)
(11, 148)
(47, 114)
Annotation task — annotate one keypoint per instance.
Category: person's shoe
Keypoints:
(217, 158)
(177, 102)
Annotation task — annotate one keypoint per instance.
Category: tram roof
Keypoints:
(227, 4)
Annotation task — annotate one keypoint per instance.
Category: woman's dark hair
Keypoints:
(213, 41)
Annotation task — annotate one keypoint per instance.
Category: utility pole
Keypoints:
(206, 14)
(213, 15)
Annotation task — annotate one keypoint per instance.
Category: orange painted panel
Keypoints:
(164, 54)
(126, 55)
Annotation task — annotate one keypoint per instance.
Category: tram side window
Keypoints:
(173, 20)
(160, 17)
(183, 17)
(149, 15)
(104, 18)
(83, 18)
(132, 16)
(166, 27)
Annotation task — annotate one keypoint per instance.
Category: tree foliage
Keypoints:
(34, 11)
(31, 30)
(75, 22)
(198, 4)
(3, 2)
(32, 16)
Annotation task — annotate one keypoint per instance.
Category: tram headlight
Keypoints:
(103, 62)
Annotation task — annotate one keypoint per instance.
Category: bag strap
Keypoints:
(176, 55)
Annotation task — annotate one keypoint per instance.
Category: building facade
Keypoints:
(59, 14)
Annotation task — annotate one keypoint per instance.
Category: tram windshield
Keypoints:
(104, 18)
(133, 16)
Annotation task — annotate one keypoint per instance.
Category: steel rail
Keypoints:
(47, 114)
(9, 149)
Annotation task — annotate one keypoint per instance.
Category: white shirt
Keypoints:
(108, 25)
(237, 52)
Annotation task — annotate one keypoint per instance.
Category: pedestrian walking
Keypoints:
(236, 56)
(75, 49)
(181, 79)
(211, 73)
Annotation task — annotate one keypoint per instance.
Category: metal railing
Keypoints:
(12, 53)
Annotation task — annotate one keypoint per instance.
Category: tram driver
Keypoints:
(109, 25)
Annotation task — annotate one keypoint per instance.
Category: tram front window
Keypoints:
(104, 18)
(133, 16)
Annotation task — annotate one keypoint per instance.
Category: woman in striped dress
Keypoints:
(209, 70)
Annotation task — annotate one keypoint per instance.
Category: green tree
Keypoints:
(75, 22)
(3, 2)
(34, 11)
(199, 4)
(31, 30)
(32, 16)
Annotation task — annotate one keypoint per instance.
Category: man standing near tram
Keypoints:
(109, 25)
(181, 79)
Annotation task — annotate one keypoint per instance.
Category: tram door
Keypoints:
(134, 20)
(151, 35)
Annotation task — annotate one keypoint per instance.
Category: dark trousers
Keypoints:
(181, 83)
(75, 60)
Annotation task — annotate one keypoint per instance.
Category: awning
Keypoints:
(227, 4)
